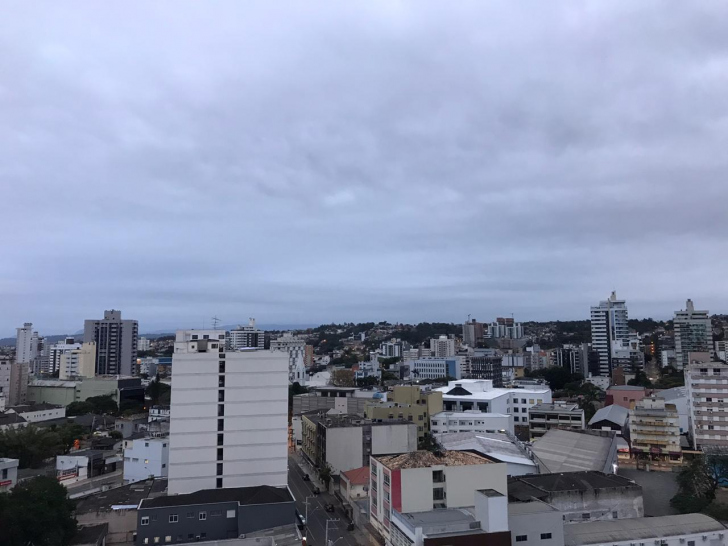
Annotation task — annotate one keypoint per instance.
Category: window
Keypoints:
(515, 419)
(164, 466)
(438, 493)
(624, 398)
(190, 536)
(219, 454)
(703, 370)
(168, 538)
(203, 516)
(173, 518)
(230, 514)
(420, 417)
(219, 439)
(218, 483)
(5, 473)
(203, 535)
(515, 410)
(521, 538)
(215, 513)
(220, 410)
(220, 425)
(145, 520)
(146, 461)
(146, 541)
(691, 543)
(219, 469)
(146, 444)
(523, 401)
(156, 540)
(438, 476)
(221, 381)
(585, 515)
(530, 401)
(190, 515)
(545, 536)
(220, 396)
(221, 367)
(716, 371)
(195, 336)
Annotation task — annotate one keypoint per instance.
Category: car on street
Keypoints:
(306, 478)
(329, 507)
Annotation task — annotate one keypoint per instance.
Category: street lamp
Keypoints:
(305, 536)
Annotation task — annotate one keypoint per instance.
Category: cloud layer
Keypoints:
(335, 161)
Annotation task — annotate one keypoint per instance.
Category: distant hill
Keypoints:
(10, 341)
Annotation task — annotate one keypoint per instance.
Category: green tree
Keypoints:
(640, 379)
(699, 480)
(79, 408)
(37, 512)
(325, 474)
(103, 404)
(68, 434)
(30, 445)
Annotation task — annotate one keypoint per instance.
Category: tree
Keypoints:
(68, 434)
(367, 381)
(342, 378)
(699, 480)
(325, 474)
(158, 392)
(30, 445)
(103, 404)
(37, 512)
(79, 408)
(640, 379)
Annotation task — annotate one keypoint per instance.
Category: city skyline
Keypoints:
(413, 162)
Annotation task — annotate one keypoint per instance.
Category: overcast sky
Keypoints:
(312, 162)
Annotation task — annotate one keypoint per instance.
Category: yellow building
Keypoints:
(308, 437)
(411, 403)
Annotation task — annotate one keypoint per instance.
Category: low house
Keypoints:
(624, 395)
(145, 458)
(83, 464)
(612, 417)
(11, 420)
(8, 474)
(35, 413)
(354, 484)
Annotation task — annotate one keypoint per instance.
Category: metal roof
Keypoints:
(569, 451)
(614, 413)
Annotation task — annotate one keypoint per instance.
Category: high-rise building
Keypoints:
(246, 337)
(295, 348)
(229, 415)
(24, 350)
(116, 343)
(505, 328)
(473, 333)
(393, 348)
(442, 347)
(654, 428)
(707, 392)
(693, 333)
(144, 344)
(79, 362)
(55, 352)
(13, 382)
(609, 329)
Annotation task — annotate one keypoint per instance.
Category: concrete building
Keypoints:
(295, 348)
(434, 368)
(470, 421)
(608, 327)
(581, 496)
(354, 484)
(345, 442)
(13, 382)
(481, 395)
(340, 399)
(625, 395)
(486, 364)
(707, 393)
(80, 362)
(654, 429)
(81, 465)
(442, 347)
(502, 448)
(144, 344)
(693, 333)
(214, 514)
(229, 415)
(11, 421)
(410, 403)
(504, 328)
(8, 474)
(544, 417)
(422, 481)
(612, 417)
(56, 352)
(571, 450)
(678, 396)
(393, 348)
(245, 337)
(36, 413)
(473, 333)
(52, 391)
(120, 388)
(677, 530)
(535, 523)
(145, 458)
(26, 348)
(116, 343)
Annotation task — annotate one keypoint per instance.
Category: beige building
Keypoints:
(655, 431)
(544, 417)
(707, 392)
(79, 362)
(408, 402)
(13, 382)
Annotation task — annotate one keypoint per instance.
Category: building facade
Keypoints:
(26, 350)
(434, 368)
(295, 348)
(246, 337)
(442, 347)
(693, 334)
(707, 393)
(116, 343)
(145, 458)
(79, 362)
(229, 415)
(408, 402)
(544, 417)
(470, 421)
(13, 382)
(608, 327)
(8, 474)
(654, 428)
(56, 352)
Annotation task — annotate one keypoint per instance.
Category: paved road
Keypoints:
(317, 516)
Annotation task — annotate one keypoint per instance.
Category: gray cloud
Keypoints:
(361, 161)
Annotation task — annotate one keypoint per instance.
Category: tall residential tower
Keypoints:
(609, 330)
(116, 343)
(693, 334)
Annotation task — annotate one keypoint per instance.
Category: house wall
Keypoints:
(532, 526)
(344, 448)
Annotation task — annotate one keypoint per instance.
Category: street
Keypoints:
(317, 516)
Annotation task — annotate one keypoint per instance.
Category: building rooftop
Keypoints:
(25, 408)
(53, 383)
(90, 534)
(334, 420)
(10, 418)
(468, 414)
(672, 394)
(530, 507)
(618, 530)
(626, 388)
(493, 445)
(525, 488)
(614, 414)
(571, 450)
(423, 459)
(358, 476)
(557, 407)
(262, 494)
(437, 517)
(483, 389)
(125, 497)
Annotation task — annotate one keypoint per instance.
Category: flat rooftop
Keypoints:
(483, 389)
(124, 496)
(423, 459)
(332, 420)
(619, 530)
(556, 408)
(532, 507)
(262, 494)
(525, 488)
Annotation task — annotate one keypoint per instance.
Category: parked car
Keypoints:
(301, 521)
(306, 478)
(329, 507)
(316, 491)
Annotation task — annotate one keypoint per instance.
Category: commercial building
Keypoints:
(36, 413)
(677, 530)
(481, 395)
(581, 496)
(214, 514)
(229, 415)
(434, 368)
(693, 333)
(499, 447)
(707, 393)
(56, 352)
(571, 450)
(245, 337)
(13, 382)
(408, 402)
(625, 395)
(84, 464)
(442, 347)
(8, 474)
(544, 417)
(612, 417)
(116, 343)
(345, 442)
(422, 481)
(654, 428)
(470, 421)
(78, 363)
(608, 327)
(145, 458)
(340, 399)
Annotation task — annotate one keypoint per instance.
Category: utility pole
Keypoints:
(306, 503)
(327, 529)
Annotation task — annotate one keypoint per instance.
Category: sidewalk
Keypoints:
(307, 468)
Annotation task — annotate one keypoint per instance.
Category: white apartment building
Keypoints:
(26, 350)
(707, 393)
(393, 348)
(654, 429)
(56, 352)
(470, 421)
(544, 417)
(246, 337)
(229, 415)
(434, 368)
(442, 347)
(608, 327)
(144, 344)
(480, 395)
(145, 458)
(295, 348)
(693, 333)
(79, 362)
(504, 328)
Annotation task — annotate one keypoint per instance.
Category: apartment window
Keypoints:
(221, 381)
(168, 538)
(146, 444)
(220, 396)
(524, 420)
(703, 370)
(615, 515)
(708, 399)
(219, 469)
(420, 429)
(221, 367)
(523, 401)
(164, 466)
(438, 476)
(156, 540)
(219, 454)
(521, 538)
(218, 483)
(585, 515)
(716, 371)
(190, 515)
(530, 401)
(203, 516)
(624, 398)
(195, 336)
(710, 427)
(146, 461)
(220, 425)
(145, 520)
(146, 541)
(190, 536)
(219, 439)
(230, 514)
(220, 410)
(438, 493)
(691, 543)
(545, 536)
(409, 418)
(515, 419)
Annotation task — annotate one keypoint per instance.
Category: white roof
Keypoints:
(495, 445)
(570, 451)
(673, 393)
(473, 414)
(483, 389)
(53, 383)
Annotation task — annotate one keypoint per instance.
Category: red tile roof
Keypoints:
(358, 476)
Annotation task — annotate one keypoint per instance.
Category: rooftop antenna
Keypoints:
(215, 323)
